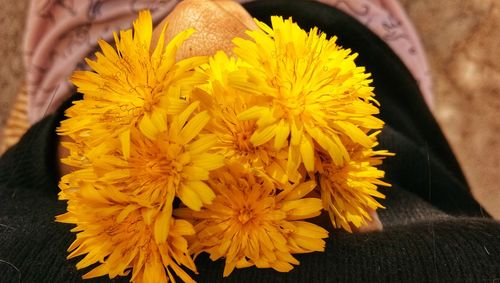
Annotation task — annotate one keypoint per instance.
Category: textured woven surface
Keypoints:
(17, 121)
(12, 17)
(461, 41)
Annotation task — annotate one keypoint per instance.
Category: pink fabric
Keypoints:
(60, 33)
(389, 21)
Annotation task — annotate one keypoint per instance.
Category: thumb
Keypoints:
(216, 23)
(371, 226)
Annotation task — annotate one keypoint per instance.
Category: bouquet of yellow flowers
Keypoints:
(230, 155)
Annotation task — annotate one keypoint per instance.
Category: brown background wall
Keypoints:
(12, 17)
(462, 39)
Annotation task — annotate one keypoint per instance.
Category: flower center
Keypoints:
(151, 99)
(334, 173)
(242, 141)
(292, 106)
(245, 214)
(164, 165)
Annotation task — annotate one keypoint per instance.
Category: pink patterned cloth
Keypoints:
(61, 33)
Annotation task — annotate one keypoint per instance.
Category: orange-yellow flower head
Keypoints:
(129, 171)
(349, 191)
(175, 161)
(118, 237)
(239, 143)
(250, 223)
(131, 85)
(133, 197)
(310, 93)
(224, 103)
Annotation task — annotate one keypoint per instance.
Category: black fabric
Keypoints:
(431, 229)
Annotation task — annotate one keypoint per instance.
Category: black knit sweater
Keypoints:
(434, 231)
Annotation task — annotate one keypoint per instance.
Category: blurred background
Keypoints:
(461, 39)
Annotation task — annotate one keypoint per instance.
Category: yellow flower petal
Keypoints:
(282, 133)
(307, 153)
(190, 198)
(204, 192)
(202, 144)
(254, 112)
(296, 209)
(309, 230)
(299, 191)
(196, 173)
(194, 126)
(262, 136)
(208, 161)
(162, 224)
(143, 24)
(125, 141)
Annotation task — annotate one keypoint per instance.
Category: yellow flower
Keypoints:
(224, 103)
(131, 86)
(123, 206)
(177, 161)
(249, 223)
(348, 191)
(137, 145)
(118, 236)
(233, 140)
(309, 92)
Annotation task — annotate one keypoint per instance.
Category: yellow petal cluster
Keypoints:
(129, 86)
(349, 191)
(309, 93)
(230, 156)
(224, 103)
(250, 223)
(129, 171)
